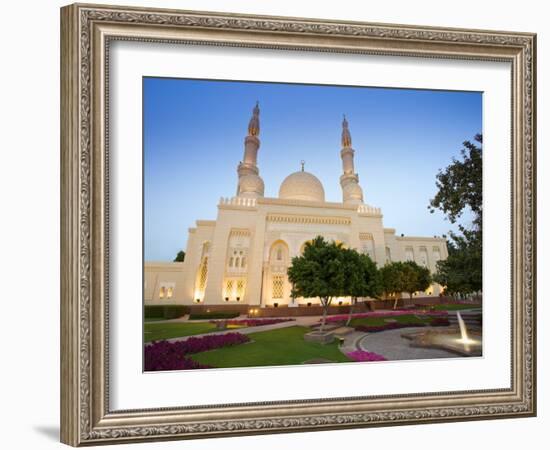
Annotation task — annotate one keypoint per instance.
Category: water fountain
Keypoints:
(456, 340)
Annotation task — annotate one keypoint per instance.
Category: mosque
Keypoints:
(242, 257)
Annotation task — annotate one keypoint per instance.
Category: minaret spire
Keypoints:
(346, 135)
(351, 191)
(254, 124)
(250, 183)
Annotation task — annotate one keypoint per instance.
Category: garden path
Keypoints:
(393, 347)
(300, 321)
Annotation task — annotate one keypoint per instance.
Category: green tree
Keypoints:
(180, 257)
(460, 190)
(319, 272)
(414, 277)
(460, 185)
(362, 278)
(455, 273)
(391, 276)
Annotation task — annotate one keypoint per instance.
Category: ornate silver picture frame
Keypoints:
(87, 32)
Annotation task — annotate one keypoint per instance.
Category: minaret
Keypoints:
(351, 191)
(250, 184)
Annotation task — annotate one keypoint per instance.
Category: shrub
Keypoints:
(362, 356)
(214, 315)
(164, 311)
(165, 355)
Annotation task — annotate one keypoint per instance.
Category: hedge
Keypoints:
(214, 315)
(165, 311)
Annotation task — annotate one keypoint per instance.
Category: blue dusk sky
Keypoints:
(194, 134)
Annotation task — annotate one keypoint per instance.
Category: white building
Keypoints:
(242, 257)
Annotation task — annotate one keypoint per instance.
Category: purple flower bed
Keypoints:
(362, 356)
(164, 355)
(253, 322)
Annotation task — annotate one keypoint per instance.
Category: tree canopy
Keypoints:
(460, 189)
(414, 277)
(460, 185)
(461, 271)
(405, 276)
(362, 277)
(319, 272)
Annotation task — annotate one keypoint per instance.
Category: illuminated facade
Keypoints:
(243, 255)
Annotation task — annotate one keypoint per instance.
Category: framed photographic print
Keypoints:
(276, 224)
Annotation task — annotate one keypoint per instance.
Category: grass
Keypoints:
(283, 346)
(157, 331)
(370, 321)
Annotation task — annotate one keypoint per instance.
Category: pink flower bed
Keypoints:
(252, 322)
(363, 356)
(164, 355)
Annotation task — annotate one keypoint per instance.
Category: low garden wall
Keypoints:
(313, 310)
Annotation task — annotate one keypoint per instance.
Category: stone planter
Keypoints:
(325, 337)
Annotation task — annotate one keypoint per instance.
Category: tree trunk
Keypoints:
(326, 303)
(395, 302)
(353, 303)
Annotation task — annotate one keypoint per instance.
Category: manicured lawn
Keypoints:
(371, 321)
(163, 330)
(283, 346)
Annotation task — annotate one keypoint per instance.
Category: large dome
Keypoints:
(302, 186)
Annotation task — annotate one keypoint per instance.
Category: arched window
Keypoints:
(231, 262)
(237, 261)
(279, 255)
(388, 255)
(243, 261)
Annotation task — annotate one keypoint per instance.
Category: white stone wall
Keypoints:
(254, 226)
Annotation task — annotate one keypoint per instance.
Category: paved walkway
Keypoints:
(393, 347)
(300, 321)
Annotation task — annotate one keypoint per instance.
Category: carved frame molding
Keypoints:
(86, 31)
